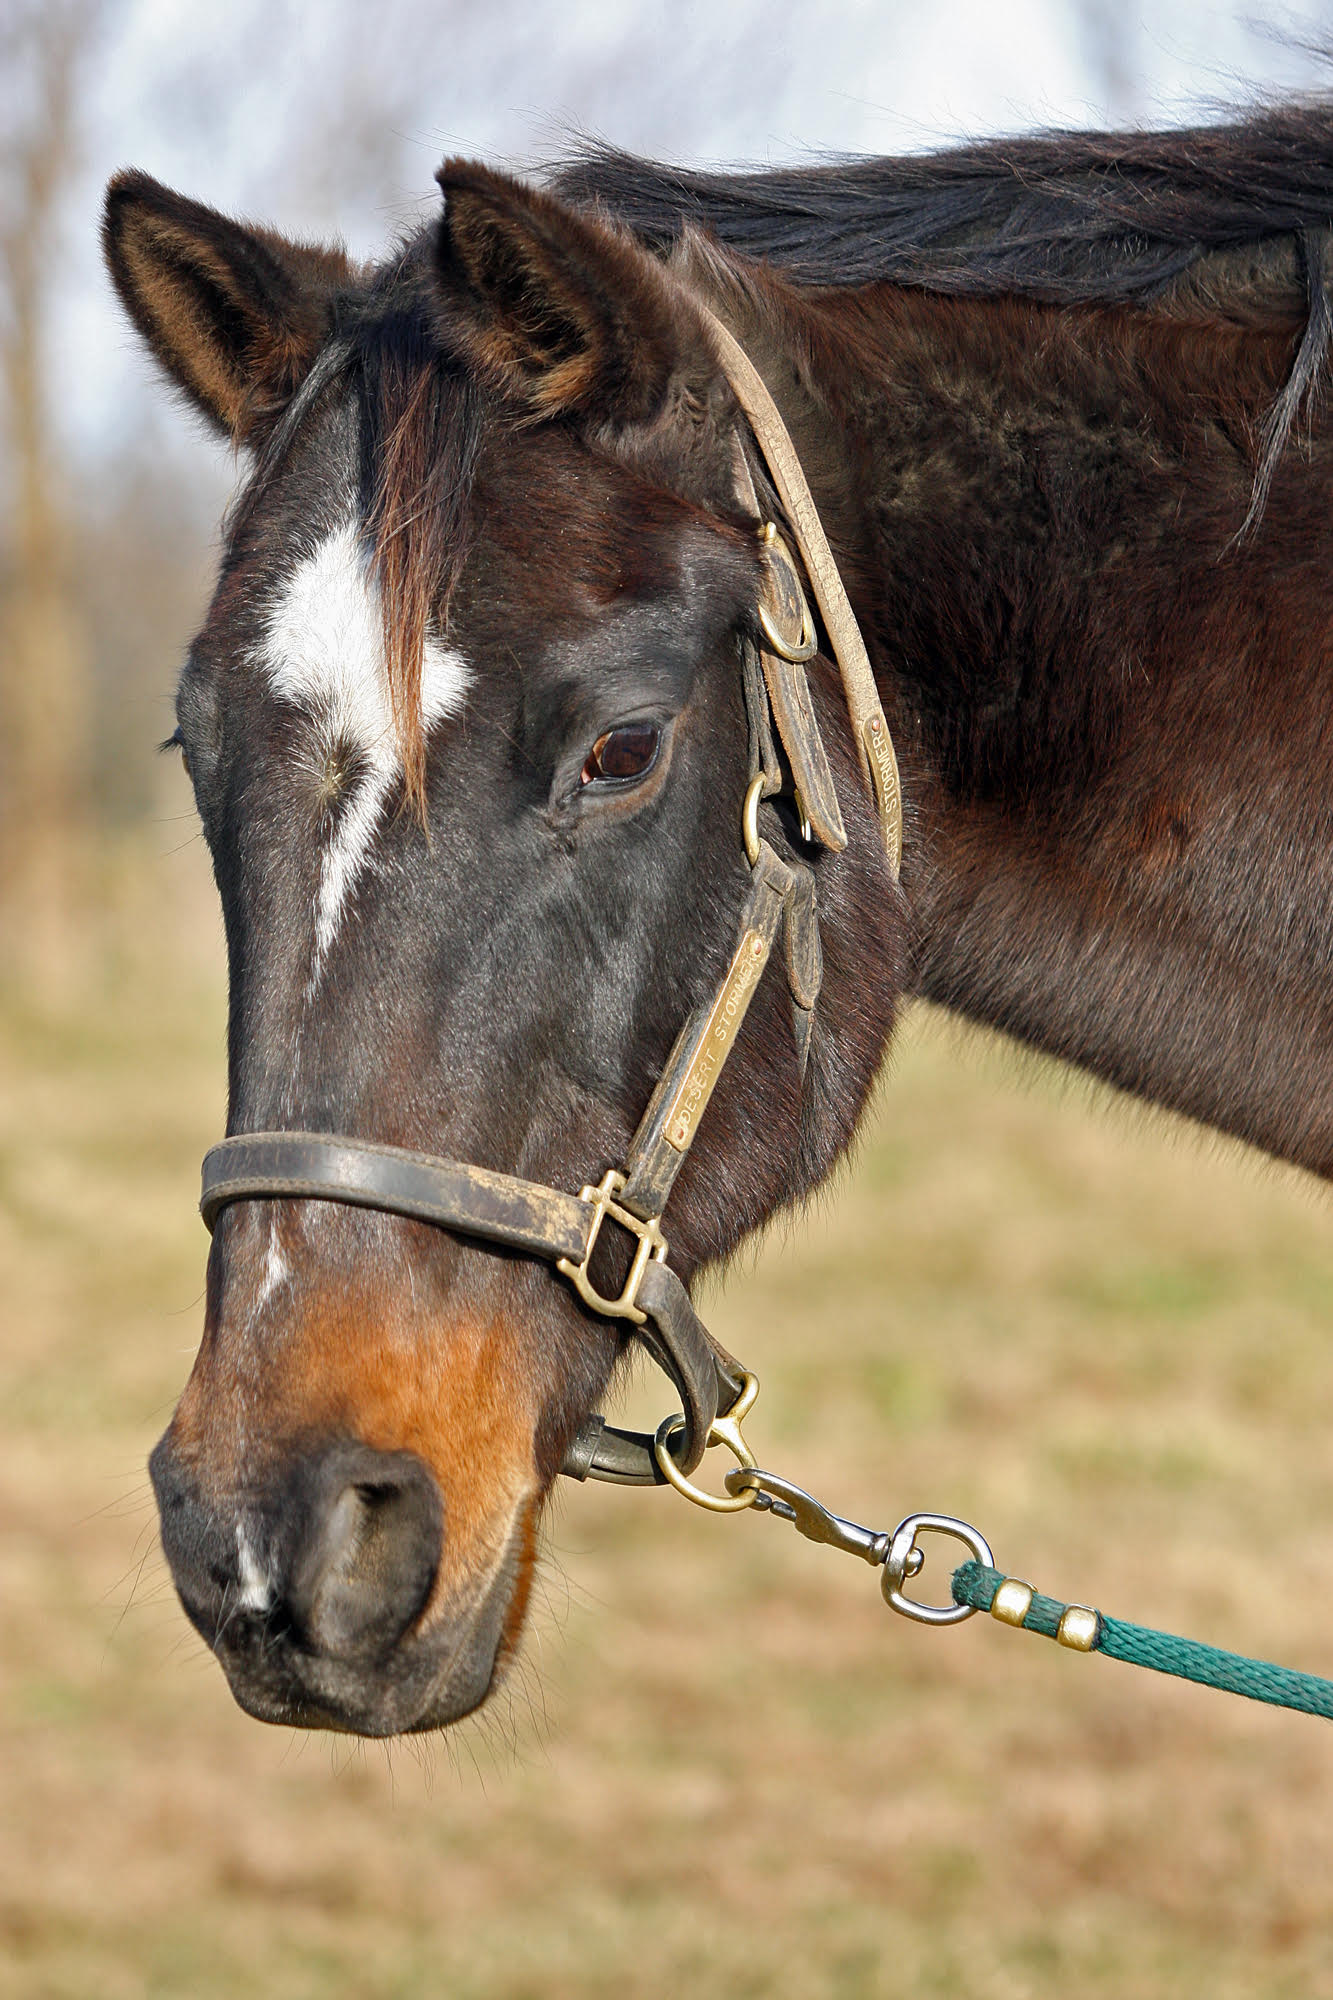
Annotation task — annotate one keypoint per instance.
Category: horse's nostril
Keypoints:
(369, 1547)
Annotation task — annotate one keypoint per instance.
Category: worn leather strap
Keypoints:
(666, 1131)
(759, 720)
(794, 713)
(873, 742)
(474, 1201)
(804, 954)
(705, 1374)
(775, 684)
(328, 1167)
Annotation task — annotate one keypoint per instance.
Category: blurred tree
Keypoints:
(43, 650)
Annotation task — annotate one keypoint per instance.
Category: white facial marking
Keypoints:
(255, 1587)
(276, 1269)
(323, 651)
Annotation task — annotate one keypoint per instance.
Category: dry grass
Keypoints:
(725, 1768)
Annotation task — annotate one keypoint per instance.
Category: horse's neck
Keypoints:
(1117, 733)
(1199, 997)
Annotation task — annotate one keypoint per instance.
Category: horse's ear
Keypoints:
(235, 315)
(565, 313)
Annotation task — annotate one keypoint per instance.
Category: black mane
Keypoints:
(1065, 217)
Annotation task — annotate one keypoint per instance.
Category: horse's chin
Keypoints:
(402, 1704)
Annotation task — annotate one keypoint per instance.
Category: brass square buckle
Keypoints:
(652, 1246)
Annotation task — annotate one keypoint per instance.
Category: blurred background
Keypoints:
(723, 1766)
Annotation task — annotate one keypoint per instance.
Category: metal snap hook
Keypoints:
(725, 1429)
(898, 1566)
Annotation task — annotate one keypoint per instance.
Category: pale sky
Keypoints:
(331, 119)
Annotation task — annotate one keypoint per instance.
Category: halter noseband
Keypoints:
(562, 1228)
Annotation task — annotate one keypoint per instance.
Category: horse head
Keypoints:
(468, 740)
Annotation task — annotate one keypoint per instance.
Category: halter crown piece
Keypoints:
(564, 1228)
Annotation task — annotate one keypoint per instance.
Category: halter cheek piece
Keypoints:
(564, 1228)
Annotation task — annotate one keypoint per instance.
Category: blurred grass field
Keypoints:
(724, 1767)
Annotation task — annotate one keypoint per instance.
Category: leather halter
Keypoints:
(563, 1228)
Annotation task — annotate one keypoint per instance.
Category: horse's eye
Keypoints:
(627, 752)
(177, 742)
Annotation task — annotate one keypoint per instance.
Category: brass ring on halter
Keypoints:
(725, 1430)
(750, 818)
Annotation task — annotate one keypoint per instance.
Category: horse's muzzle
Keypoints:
(312, 1591)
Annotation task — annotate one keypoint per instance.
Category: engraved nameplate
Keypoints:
(714, 1044)
(888, 791)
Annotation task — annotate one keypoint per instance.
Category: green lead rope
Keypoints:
(1087, 1631)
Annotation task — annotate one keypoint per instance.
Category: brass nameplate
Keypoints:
(715, 1040)
(888, 791)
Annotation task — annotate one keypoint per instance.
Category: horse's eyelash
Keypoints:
(176, 741)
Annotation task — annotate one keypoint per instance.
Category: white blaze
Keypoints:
(323, 652)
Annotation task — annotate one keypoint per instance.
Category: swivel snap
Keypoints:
(904, 1559)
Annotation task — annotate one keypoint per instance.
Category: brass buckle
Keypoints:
(652, 1248)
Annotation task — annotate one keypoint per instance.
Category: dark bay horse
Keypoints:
(468, 737)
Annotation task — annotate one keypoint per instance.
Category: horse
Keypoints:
(474, 725)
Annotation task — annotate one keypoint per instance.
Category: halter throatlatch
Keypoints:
(543, 1222)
